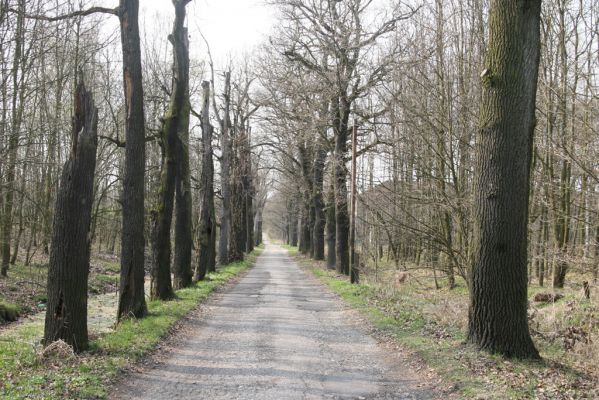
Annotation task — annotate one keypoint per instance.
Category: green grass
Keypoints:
(401, 316)
(432, 324)
(292, 250)
(8, 311)
(89, 375)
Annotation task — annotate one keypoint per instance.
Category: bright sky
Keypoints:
(232, 27)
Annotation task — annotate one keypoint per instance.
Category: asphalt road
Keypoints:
(275, 334)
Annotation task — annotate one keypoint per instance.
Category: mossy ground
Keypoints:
(89, 375)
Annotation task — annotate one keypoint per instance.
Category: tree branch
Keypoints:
(79, 13)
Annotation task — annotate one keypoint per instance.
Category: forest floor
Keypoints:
(25, 286)
(430, 324)
(277, 334)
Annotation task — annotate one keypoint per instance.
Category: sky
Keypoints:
(231, 27)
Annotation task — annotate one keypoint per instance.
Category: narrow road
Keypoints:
(276, 334)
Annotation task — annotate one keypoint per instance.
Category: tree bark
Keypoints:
(249, 193)
(340, 179)
(131, 291)
(66, 311)
(225, 218)
(330, 227)
(175, 122)
(182, 272)
(318, 204)
(207, 251)
(498, 320)
(237, 204)
(13, 141)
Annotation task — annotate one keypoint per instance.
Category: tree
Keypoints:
(17, 107)
(183, 207)
(225, 168)
(207, 223)
(498, 302)
(66, 311)
(131, 291)
(174, 123)
(339, 34)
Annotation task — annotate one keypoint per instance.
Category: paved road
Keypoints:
(276, 334)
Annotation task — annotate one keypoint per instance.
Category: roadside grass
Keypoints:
(292, 250)
(28, 374)
(432, 324)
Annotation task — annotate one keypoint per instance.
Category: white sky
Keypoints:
(232, 27)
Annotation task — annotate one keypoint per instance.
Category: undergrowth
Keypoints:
(88, 375)
(432, 324)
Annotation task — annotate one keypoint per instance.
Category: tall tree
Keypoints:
(66, 311)
(132, 300)
(183, 207)
(498, 302)
(174, 123)
(17, 107)
(207, 223)
(225, 170)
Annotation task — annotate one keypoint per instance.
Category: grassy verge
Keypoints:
(419, 321)
(87, 376)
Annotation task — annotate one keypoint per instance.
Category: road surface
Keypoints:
(276, 334)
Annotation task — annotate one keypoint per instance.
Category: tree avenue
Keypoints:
(143, 170)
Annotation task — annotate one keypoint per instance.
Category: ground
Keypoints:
(276, 334)
(431, 321)
(25, 286)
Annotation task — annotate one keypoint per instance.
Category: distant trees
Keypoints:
(498, 319)
(329, 43)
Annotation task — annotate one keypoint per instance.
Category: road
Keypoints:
(275, 334)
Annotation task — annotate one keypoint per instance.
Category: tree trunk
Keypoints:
(498, 319)
(258, 225)
(225, 179)
(236, 238)
(13, 141)
(292, 227)
(330, 227)
(66, 311)
(318, 204)
(340, 179)
(206, 232)
(15, 252)
(183, 207)
(161, 286)
(174, 129)
(249, 194)
(132, 300)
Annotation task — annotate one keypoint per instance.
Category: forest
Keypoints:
(432, 164)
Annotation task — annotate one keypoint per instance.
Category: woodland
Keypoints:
(433, 161)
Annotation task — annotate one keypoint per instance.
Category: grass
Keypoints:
(432, 324)
(9, 311)
(89, 375)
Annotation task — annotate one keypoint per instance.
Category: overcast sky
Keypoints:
(231, 26)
